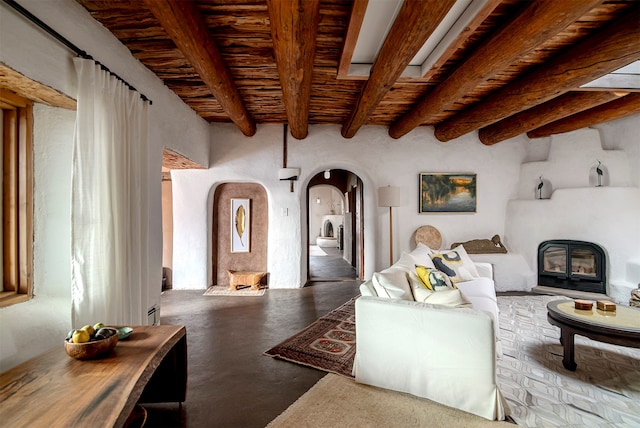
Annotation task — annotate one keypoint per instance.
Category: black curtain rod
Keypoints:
(31, 17)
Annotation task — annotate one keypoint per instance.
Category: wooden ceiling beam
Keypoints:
(356, 17)
(415, 22)
(537, 23)
(565, 105)
(462, 38)
(622, 107)
(186, 27)
(294, 24)
(613, 47)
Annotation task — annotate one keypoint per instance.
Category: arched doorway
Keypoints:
(335, 229)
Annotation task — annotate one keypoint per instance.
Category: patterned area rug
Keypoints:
(223, 290)
(327, 344)
(604, 391)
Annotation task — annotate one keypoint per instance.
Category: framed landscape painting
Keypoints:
(447, 193)
(240, 232)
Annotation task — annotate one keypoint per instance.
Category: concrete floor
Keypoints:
(230, 382)
(331, 267)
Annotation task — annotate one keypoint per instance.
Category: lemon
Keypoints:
(89, 329)
(80, 336)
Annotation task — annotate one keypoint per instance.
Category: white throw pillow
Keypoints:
(421, 294)
(392, 284)
(456, 263)
(406, 262)
(422, 256)
(448, 297)
(414, 280)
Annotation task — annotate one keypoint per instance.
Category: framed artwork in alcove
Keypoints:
(447, 193)
(240, 222)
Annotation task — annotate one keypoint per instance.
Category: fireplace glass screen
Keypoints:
(583, 262)
(555, 259)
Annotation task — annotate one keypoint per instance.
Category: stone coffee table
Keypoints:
(619, 327)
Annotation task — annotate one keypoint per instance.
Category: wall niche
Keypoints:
(222, 257)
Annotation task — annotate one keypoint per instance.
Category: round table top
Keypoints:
(622, 318)
(429, 236)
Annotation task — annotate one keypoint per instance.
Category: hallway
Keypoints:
(329, 266)
(231, 383)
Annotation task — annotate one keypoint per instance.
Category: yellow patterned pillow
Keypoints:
(456, 264)
(433, 278)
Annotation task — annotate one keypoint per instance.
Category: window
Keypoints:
(17, 198)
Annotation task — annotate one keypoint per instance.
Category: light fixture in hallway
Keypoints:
(327, 174)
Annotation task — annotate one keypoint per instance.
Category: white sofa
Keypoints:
(443, 347)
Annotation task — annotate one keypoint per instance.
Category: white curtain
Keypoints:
(109, 227)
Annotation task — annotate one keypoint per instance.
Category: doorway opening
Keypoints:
(335, 229)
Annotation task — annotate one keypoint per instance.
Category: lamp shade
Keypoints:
(389, 196)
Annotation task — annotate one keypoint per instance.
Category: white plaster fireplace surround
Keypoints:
(329, 234)
(608, 216)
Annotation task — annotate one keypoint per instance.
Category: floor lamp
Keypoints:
(389, 197)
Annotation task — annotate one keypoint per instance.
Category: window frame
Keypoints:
(17, 202)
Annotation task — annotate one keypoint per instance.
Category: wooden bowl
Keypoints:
(86, 350)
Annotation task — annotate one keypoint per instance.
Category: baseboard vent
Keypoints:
(153, 316)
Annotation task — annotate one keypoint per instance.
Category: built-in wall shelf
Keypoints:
(571, 162)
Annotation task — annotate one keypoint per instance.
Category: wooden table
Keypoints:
(621, 327)
(55, 390)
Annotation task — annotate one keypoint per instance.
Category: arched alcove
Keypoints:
(223, 258)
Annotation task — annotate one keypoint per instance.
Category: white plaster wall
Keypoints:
(622, 134)
(26, 49)
(379, 161)
(29, 328)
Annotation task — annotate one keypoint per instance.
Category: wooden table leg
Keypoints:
(567, 338)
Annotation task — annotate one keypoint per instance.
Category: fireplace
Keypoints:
(327, 230)
(572, 265)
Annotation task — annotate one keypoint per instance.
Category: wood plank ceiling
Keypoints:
(516, 67)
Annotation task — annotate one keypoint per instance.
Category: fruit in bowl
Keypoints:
(89, 342)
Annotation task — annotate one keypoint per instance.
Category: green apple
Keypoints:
(97, 326)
